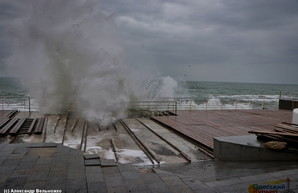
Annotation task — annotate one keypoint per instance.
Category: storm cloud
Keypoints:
(207, 40)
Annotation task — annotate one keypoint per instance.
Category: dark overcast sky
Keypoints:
(206, 40)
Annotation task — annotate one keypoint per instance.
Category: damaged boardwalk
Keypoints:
(203, 126)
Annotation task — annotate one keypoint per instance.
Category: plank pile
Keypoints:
(285, 132)
(17, 126)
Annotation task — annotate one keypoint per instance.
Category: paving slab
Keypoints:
(53, 170)
(76, 185)
(130, 174)
(11, 162)
(92, 162)
(180, 189)
(36, 184)
(159, 187)
(41, 168)
(56, 183)
(172, 181)
(15, 183)
(91, 156)
(97, 187)
(42, 151)
(16, 156)
(109, 171)
(119, 189)
(135, 185)
(114, 181)
(26, 165)
(41, 145)
(108, 162)
(39, 176)
(126, 167)
(20, 150)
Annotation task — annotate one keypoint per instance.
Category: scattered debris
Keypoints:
(286, 134)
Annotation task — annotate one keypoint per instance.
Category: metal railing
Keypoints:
(171, 104)
(15, 103)
(288, 94)
(154, 106)
(226, 104)
(175, 104)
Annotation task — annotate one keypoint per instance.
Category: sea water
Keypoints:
(194, 95)
(233, 95)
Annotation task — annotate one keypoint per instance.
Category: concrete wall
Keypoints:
(247, 148)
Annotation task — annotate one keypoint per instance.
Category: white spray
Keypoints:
(66, 52)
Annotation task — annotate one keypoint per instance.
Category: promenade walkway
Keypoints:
(55, 168)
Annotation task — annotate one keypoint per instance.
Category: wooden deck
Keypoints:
(203, 126)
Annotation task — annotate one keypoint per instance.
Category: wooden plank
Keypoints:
(12, 113)
(274, 133)
(8, 125)
(281, 138)
(287, 127)
(202, 126)
(292, 124)
(286, 130)
(39, 126)
(4, 121)
(15, 129)
(32, 125)
(4, 113)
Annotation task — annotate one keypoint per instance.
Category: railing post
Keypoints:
(29, 105)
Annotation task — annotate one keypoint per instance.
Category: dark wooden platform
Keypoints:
(203, 126)
(10, 125)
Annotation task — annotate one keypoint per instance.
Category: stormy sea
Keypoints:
(194, 95)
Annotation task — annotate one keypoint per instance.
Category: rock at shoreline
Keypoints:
(276, 145)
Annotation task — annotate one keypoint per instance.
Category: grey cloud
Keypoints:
(222, 40)
(216, 35)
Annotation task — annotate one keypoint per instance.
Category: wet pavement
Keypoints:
(56, 168)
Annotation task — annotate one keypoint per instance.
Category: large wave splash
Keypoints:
(67, 53)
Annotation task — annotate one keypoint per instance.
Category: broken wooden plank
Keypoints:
(11, 114)
(4, 113)
(114, 149)
(273, 133)
(282, 138)
(286, 130)
(8, 125)
(32, 126)
(74, 125)
(289, 128)
(288, 123)
(4, 121)
(39, 126)
(91, 156)
(17, 126)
